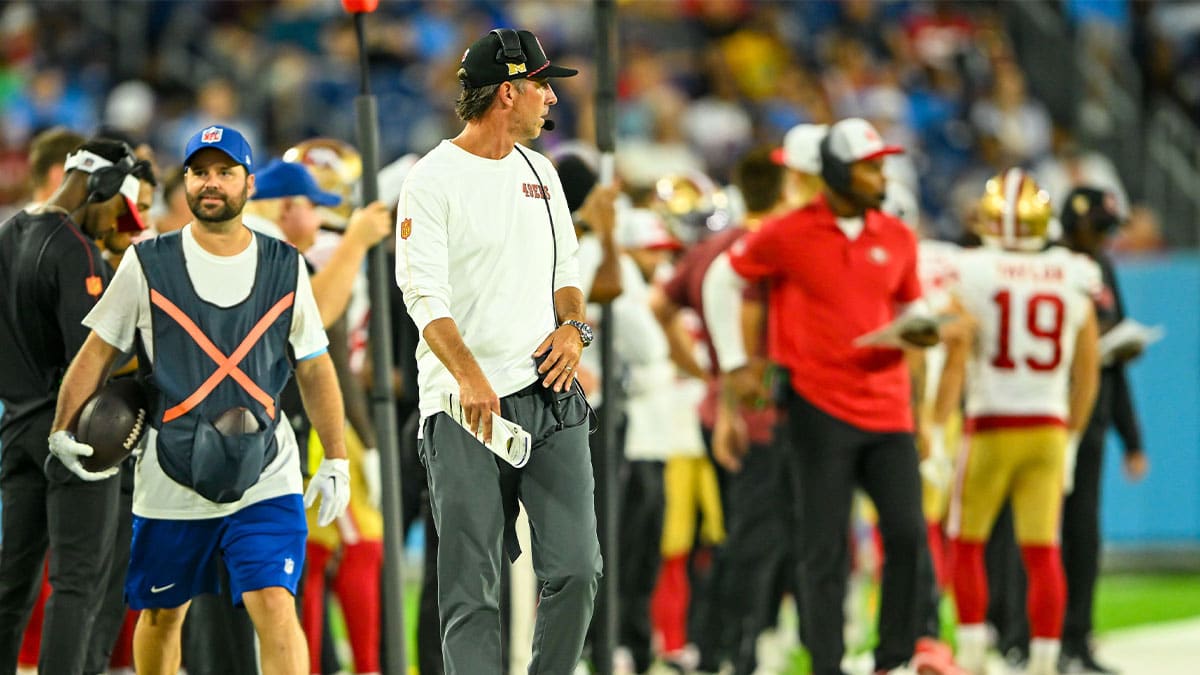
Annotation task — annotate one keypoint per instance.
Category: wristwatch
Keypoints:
(585, 331)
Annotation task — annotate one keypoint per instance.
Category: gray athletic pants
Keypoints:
(556, 487)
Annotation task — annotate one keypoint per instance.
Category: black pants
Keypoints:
(214, 620)
(111, 615)
(708, 574)
(1081, 540)
(758, 554)
(1006, 586)
(641, 532)
(832, 458)
(44, 505)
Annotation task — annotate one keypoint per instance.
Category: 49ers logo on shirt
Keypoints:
(535, 191)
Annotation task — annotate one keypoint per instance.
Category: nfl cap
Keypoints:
(1099, 207)
(225, 139)
(87, 162)
(801, 149)
(855, 140)
(279, 179)
(485, 63)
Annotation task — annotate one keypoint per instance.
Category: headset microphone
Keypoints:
(548, 125)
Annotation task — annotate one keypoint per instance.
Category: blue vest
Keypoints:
(193, 339)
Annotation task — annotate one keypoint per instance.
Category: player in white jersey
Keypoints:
(1031, 380)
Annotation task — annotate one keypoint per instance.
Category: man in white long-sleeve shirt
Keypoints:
(487, 261)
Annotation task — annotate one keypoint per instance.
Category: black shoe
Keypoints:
(1017, 659)
(1083, 662)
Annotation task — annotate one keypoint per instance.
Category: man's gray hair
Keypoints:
(473, 102)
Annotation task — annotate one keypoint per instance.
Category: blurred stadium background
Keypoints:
(1100, 91)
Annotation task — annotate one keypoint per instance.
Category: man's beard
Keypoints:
(231, 209)
(865, 201)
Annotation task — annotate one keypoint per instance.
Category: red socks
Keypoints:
(669, 604)
(1047, 599)
(970, 581)
(1047, 590)
(357, 587)
(312, 608)
(937, 551)
(356, 584)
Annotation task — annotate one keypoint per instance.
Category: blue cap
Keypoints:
(279, 179)
(226, 139)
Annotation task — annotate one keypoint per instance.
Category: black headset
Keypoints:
(510, 46)
(834, 171)
(104, 183)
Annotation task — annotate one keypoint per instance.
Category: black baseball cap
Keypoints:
(1099, 207)
(486, 62)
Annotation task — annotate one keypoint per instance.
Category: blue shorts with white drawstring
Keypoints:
(173, 561)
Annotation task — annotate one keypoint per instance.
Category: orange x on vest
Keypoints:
(227, 366)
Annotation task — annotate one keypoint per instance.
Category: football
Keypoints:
(235, 422)
(112, 422)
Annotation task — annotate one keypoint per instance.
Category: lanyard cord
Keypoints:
(544, 190)
(555, 407)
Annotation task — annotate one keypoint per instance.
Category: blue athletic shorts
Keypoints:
(173, 561)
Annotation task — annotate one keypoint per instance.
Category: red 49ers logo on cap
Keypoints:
(211, 135)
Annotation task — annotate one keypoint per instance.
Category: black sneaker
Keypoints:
(1083, 663)
(1017, 659)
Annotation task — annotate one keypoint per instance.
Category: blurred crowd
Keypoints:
(702, 85)
(699, 80)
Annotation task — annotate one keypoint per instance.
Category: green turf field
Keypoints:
(1122, 601)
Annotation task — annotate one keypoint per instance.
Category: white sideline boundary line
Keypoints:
(1160, 649)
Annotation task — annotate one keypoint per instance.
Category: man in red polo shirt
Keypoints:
(754, 567)
(839, 269)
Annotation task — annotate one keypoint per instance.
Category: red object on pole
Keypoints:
(360, 6)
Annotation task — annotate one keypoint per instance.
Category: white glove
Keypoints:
(937, 468)
(1069, 463)
(370, 469)
(332, 483)
(68, 451)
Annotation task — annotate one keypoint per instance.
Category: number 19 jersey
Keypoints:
(1029, 308)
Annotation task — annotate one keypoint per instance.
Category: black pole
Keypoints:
(607, 485)
(382, 408)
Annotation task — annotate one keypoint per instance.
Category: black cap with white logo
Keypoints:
(506, 54)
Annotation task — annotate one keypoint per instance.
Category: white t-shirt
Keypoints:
(474, 245)
(937, 270)
(1030, 308)
(223, 281)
